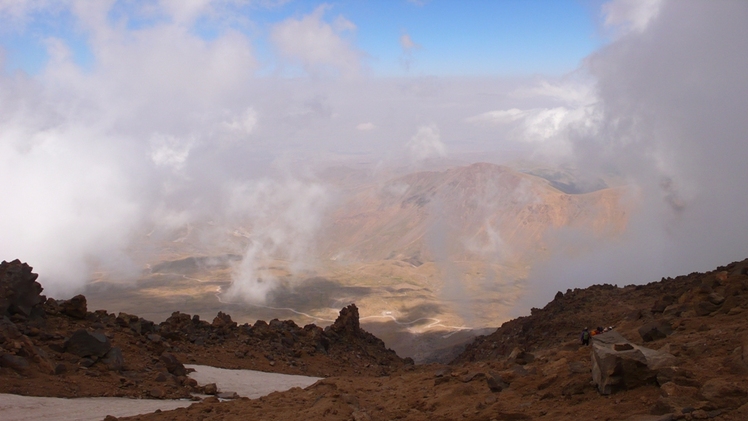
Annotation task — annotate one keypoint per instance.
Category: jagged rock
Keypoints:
(129, 321)
(172, 364)
(114, 360)
(347, 322)
(655, 330)
(619, 370)
(88, 344)
(75, 307)
(223, 320)
(19, 291)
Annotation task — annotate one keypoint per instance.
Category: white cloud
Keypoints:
(408, 46)
(426, 143)
(316, 44)
(284, 218)
(168, 151)
(630, 15)
(669, 119)
(244, 123)
(548, 127)
(365, 126)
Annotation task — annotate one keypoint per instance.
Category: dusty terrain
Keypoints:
(533, 367)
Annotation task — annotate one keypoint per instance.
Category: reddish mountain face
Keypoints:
(479, 212)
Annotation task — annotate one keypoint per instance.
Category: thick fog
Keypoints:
(165, 128)
(670, 117)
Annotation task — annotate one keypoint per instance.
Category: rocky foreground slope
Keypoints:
(59, 348)
(679, 350)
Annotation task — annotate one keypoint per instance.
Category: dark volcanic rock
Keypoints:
(19, 291)
(173, 365)
(114, 359)
(14, 362)
(88, 344)
(347, 322)
(496, 383)
(75, 307)
(655, 330)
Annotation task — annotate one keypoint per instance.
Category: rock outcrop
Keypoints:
(20, 294)
(617, 364)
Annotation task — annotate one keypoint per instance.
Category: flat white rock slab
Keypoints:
(251, 384)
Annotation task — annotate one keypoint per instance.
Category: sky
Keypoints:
(118, 115)
(389, 38)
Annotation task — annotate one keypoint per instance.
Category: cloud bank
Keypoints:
(669, 119)
(167, 127)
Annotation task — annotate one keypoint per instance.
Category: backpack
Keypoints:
(585, 335)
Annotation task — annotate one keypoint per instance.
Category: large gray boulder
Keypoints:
(618, 364)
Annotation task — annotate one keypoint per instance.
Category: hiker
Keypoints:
(585, 336)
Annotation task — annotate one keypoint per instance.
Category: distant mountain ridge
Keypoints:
(477, 212)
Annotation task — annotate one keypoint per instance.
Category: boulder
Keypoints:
(88, 344)
(347, 322)
(652, 331)
(172, 364)
(630, 367)
(496, 383)
(114, 359)
(661, 304)
(129, 321)
(19, 291)
(19, 364)
(75, 307)
(210, 389)
(705, 308)
(715, 298)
